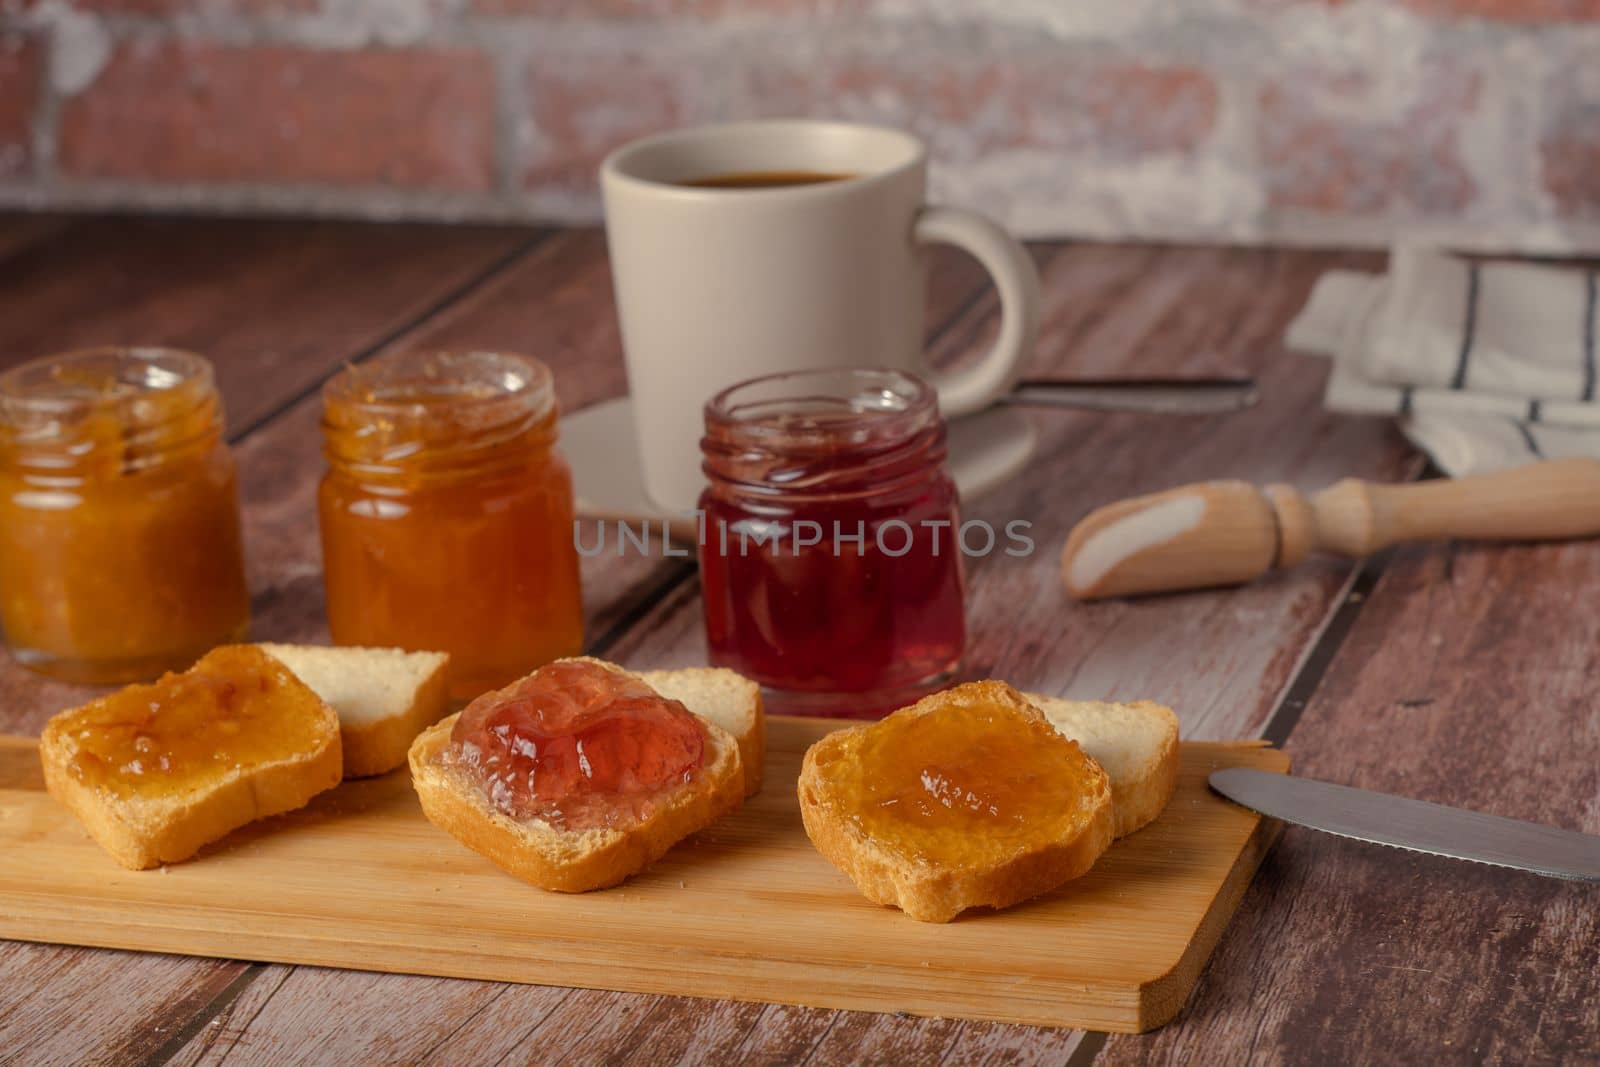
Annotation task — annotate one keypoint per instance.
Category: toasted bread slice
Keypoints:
(1136, 743)
(385, 697)
(140, 768)
(968, 797)
(728, 699)
(570, 861)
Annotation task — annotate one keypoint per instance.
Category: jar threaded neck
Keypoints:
(438, 415)
(829, 434)
(107, 411)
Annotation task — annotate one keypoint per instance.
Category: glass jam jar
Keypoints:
(447, 513)
(120, 553)
(829, 560)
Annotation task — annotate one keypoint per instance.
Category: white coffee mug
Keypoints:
(716, 285)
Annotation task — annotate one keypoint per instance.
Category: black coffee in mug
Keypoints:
(765, 179)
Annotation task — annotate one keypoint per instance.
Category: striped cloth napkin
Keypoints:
(1487, 364)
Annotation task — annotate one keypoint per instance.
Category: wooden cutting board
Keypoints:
(746, 910)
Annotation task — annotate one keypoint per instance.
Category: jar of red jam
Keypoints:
(446, 514)
(829, 556)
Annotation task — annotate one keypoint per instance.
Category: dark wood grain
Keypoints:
(20, 231)
(1468, 679)
(274, 304)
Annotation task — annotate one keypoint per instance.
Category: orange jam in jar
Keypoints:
(447, 514)
(120, 553)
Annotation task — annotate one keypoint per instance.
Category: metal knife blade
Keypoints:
(1414, 824)
(1157, 396)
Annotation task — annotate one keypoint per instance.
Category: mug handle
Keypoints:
(1012, 270)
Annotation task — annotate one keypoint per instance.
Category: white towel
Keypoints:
(1488, 365)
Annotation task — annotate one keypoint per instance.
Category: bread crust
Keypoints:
(380, 747)
(1139, 795)
(572, 861)
(1137, 804)
(935, 892)
(752, 736)
(145, 832)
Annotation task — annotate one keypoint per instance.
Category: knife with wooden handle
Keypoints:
(1414, 824)
(1225, 533)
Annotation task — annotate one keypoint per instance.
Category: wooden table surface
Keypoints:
(1458, 673)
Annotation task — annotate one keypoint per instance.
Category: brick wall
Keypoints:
(1325, 121)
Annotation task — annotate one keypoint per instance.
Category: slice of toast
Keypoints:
(728, 699)
(385, 697)
(1136, 743)
(571, 861)
(156, 771)
(967, 798)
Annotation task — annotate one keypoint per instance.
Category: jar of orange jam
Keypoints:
(447, 514)
(829, 563)
(120, 553)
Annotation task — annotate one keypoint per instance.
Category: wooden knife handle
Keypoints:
(1552, 500)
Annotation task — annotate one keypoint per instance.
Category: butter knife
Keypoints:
(1154, 396)
(1414, 824)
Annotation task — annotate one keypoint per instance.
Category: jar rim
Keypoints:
(808, 408)
(468, 379)
(439, 413)
(86, 378)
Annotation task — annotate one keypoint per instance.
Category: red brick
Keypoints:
(20, 61)
(663, 9)
(1570, 154)
(1510, 10)
(582, 106)
(169, 8)
(1525, 11)
(410, 119)
(1107, 110)
(1325, 146)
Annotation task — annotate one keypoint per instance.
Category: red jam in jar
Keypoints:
(578, 746)
(829, 557)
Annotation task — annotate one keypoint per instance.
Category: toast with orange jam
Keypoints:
(576, 776)
(156, 771)
(968, 798)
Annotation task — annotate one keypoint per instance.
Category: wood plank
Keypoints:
(19, 231)
(360, 879)
(1467, 679)
(50, 1011)
(275, 304)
